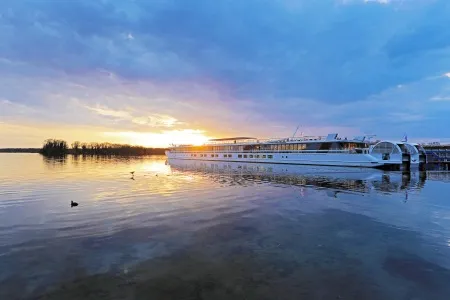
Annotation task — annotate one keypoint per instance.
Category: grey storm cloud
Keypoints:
(331, 51)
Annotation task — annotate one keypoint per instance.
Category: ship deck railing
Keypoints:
(268, 140)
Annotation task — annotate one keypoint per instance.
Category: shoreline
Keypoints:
(145, 152)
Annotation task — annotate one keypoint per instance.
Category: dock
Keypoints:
(438, 154)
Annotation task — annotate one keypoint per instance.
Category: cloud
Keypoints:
(379, 1)
(227, 67)
(104, 111)
(259, 49)
(8, 107)
(153, 120)
(162, 139)
(156, 121)
(406, 117)
(438, 98)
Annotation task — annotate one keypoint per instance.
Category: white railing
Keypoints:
(268, 140)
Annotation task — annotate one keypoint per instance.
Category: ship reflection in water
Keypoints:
(219, 230)
(336, 180)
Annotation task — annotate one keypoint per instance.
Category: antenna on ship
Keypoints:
(295, 132)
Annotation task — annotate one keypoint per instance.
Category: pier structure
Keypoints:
(438, 154)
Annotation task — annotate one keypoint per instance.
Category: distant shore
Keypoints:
(142, 152)
(20, 150)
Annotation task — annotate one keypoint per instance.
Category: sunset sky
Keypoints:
(161, 71)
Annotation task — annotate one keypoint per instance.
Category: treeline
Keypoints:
(54, 147)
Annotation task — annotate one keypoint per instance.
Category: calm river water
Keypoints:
(192, 230)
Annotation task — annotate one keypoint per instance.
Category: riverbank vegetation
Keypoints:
(53, 147)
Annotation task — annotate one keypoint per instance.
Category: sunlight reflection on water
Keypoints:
(182, 228)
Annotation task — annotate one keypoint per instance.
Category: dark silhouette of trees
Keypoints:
(54, 147)
(76, 146)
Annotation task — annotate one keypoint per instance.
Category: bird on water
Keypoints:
(132, 173)
(72, 204)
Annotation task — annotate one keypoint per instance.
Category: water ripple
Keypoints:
(274, 221)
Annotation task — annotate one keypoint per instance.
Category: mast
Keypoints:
(295, 132)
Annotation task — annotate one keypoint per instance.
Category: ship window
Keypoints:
(325, 146)
(245, 156)
(384, 147)
(269, 156)
(263, 156)
(336, 146)
(257, 156)
(224, 155)
(411, 149)
(420, 149)
(229, 155)
(240, 156)
(312, 146)
(251, 156)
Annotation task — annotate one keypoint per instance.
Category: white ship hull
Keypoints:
(313, 151)
(318, 159)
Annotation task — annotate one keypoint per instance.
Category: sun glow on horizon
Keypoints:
(163, 139)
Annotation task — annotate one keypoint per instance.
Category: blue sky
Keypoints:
(158, 70)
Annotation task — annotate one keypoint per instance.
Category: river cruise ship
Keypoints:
(329, 150)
